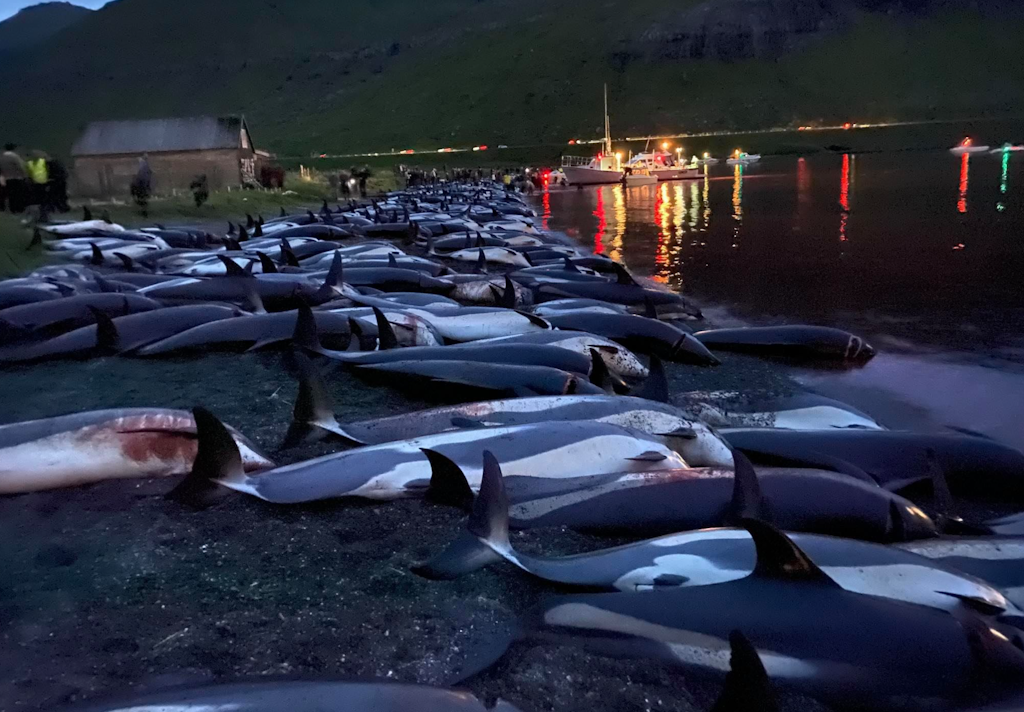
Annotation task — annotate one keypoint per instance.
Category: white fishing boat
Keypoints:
(741, 158)
(709, 160)
(968, 146)
(603, 169)
(663, 165)
(639, 176)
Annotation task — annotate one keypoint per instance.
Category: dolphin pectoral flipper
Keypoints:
(747, 686)
(217, 460)
(448, 483)
(313, 408)
(464, 555)
(649, 456)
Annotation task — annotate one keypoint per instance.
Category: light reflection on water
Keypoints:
(872, 243)
(829, 238)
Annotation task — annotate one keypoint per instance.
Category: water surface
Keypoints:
(921, 252)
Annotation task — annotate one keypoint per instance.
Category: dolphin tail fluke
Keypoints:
(485, 540)
(217, 460)
(464, 555)
(385, 334)
(655, 388)
(313, 408)
(747, 686)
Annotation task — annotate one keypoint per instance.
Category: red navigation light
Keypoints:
(572, 142)
(323, 155)
(600, 156)
(967, 141)
(483, 148)
(847, 126)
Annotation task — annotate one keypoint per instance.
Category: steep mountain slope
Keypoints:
(34, 24)
(336, 75)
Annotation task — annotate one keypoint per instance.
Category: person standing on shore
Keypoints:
(142, 185)
(39, 177)
(12, 168)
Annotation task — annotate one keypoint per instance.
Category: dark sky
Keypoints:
(9, 7)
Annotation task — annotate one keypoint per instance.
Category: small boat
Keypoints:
(604, 169)
(709, 160)
(741, 158)
(968, 146)
(639, 176)
(663, 166)
(1008, 148)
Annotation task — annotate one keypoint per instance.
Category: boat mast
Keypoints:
(607, 125)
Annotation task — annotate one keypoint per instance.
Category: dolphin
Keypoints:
(639, 333)
(401, 469)
(997, 560)
(121, 335)
(697, 443)
(83, 448)
(840, 646)
(616, 293)
(495, 255)
(83, 227)
(797, 341)
(707, 556)
(521, 380)
(973, 465)
(59, 315)
(252, 332)
(620, 360)
(802, 411)
(298, 696)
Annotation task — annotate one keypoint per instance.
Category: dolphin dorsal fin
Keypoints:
(385, 334)
(217, 459)
(748, 501)
(747, 686)
(448, 483)
(779, 558)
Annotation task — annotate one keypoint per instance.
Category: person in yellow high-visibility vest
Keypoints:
(39, 177)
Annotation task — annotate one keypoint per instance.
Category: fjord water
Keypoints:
(920, 252)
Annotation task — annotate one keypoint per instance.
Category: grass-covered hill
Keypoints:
(336, 76)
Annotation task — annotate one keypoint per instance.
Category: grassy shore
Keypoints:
(222, 206)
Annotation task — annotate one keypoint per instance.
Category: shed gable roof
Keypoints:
(200, 133)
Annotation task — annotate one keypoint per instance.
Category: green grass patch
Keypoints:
(15, 258)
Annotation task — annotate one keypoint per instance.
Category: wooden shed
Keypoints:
(106, 156)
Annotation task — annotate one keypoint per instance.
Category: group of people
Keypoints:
(36, 180)
(521, 180)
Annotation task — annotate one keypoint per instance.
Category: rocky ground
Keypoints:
(110, 588)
